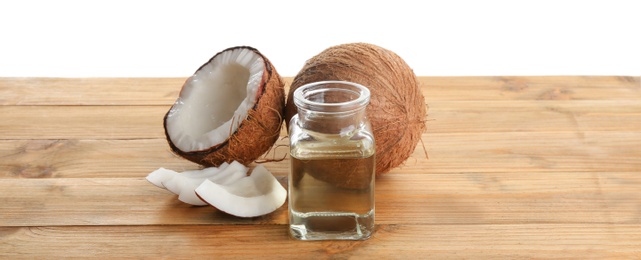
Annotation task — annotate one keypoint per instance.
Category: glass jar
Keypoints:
(331, 179)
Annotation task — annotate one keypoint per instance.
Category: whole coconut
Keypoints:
(397, 108)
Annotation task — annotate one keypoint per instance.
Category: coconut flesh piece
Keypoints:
(183, 184)
(159, 176)
(189, 180)
(227, 188)
(252, 196)
(227, 176)
(215, 100)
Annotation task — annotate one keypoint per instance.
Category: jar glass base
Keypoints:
(331, 225)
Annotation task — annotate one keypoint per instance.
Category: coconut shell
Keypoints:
(397, 108)
(256, 134)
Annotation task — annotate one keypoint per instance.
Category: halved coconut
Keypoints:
(230, 109)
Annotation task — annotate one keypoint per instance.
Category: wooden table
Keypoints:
(518, 167)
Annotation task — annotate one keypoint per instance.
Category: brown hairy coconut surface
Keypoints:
(255, 134)
(397, 108)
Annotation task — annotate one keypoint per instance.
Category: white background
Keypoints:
(436, 38)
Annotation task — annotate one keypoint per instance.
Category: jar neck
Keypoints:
(343, 124)
(331, 107)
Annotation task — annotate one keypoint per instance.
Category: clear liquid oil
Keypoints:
(332, 191)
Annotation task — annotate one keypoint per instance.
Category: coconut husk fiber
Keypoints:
(397, 109)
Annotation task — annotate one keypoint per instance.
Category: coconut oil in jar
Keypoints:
(331, 181)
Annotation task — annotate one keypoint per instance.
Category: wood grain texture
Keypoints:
(89, 91)
(163, 91)
(517, 152)
(443, 199)
(135, 122)
(513, 241)
(509, 167)
(531, 88)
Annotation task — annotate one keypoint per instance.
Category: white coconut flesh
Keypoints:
(229, 175)
(183, 184)
(215, 100)
(228, 188)
(159, 176)
(254, 195)
(189, 180)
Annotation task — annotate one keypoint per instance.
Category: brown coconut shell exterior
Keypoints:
(256, 134)
(397, 109)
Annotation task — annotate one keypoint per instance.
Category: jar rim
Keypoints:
(303, 93)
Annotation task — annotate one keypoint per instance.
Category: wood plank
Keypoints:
(534, 116)
(532, 88)
(89, 91)
(438, 199)
(128, 122)
(82, 122)
(527, 152)
(163, 91)
(514, 241)
(106, 201)
(447, 153)
(86, 158)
